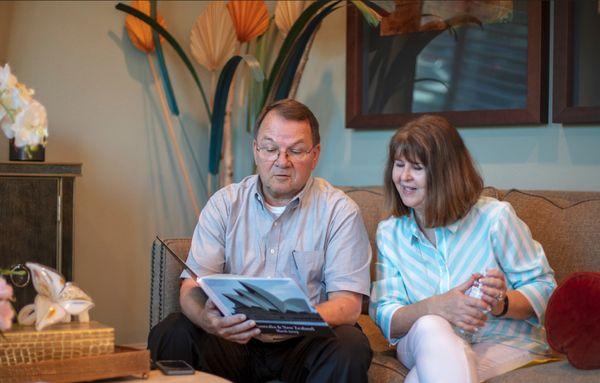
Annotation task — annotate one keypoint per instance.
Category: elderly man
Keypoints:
(279, 223)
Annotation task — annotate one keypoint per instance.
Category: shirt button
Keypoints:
(272, 251)
(275, 224)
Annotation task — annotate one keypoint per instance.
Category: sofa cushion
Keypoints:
(386, 368)
(572, 319)
(566, 228)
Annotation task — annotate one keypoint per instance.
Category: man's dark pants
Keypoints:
(345, 358)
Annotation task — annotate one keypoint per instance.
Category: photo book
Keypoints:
(277, 305)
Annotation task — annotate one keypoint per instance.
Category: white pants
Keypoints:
(434, 353)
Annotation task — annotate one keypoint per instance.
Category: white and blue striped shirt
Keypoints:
(410, 269)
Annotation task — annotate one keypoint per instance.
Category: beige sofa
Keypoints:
(567, 224)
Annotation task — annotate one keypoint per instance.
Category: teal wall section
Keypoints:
(548, 156)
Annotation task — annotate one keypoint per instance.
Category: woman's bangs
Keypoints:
(409, 150)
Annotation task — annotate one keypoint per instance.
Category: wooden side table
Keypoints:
(158, 376)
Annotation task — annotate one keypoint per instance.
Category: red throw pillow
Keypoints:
(573, 319)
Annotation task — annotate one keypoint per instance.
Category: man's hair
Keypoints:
(292, 110)
(453, 183)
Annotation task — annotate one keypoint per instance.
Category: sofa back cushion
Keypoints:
(370, 201)
(566, 224)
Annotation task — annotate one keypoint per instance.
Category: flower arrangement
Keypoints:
(7, 312)
(22, 118)
(275, 60)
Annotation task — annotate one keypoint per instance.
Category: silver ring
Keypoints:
(14, 277)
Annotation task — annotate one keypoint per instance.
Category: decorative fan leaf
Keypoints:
(171, 40)
(287, 12)
(213, 39)
(382, 8)
(371, 17)
(218, 116)
(254, 67)
(163, 65)
(265, 46)
(283, 84)
(250, 18)
(140, 33)
(288, 42)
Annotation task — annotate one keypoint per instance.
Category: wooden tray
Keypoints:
(124, 361)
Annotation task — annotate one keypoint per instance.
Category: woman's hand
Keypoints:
(459, 309)
(493, 285)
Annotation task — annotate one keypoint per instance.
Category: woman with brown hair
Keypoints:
(442, 243)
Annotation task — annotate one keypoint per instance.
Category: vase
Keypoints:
(26, 153)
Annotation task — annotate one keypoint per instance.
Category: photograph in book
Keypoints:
(277, 305)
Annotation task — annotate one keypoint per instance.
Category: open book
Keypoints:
(277, 305)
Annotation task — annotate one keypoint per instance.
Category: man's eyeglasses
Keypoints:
(271, 153)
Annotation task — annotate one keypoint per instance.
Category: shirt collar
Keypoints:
(413, 228)
(294, 202)
(416, 232)
(453, 227)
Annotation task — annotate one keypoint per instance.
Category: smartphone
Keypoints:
(175, 367)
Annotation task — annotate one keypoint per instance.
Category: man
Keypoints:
(279, 223)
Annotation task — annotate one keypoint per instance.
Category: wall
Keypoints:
(103, 112)
(5, 17)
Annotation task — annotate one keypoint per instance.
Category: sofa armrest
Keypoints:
(164, 278)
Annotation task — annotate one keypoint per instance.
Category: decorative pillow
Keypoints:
(573, 319)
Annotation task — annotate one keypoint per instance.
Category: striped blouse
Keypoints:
(410, 269)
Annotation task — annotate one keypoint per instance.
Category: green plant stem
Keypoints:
(11, 272)
(8, 111)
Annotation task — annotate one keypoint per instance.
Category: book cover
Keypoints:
(277, 305)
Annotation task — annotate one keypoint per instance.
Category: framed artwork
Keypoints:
(576, 80)
(476, 63)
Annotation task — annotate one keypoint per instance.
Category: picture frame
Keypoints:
(565, 82)
(534, 108)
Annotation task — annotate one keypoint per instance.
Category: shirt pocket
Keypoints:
(310, 269)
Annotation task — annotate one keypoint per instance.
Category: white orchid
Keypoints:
(31, 126)
(7, 79)
(21, 117)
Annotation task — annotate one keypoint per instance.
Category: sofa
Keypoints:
(566, 223)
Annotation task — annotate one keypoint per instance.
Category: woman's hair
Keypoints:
(453, 182)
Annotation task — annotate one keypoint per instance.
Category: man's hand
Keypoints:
(459, 309)
(234, 328)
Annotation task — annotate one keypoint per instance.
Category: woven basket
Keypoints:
(23, 344)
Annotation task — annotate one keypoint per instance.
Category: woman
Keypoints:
(441, 238)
